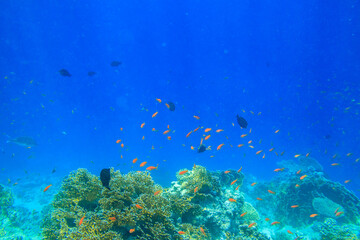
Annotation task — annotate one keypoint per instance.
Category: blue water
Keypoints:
(295, 62)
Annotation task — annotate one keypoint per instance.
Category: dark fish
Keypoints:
(171, 106)
(241, 121)
(105, 177)
(202, 148)
(23, 141)
(53, 171)
(64, 72)
(115, 63)
(90, 74)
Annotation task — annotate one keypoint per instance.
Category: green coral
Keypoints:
(6, 199)
(251, 214)
(330, 231)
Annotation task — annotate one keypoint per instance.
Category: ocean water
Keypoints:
(80, 78)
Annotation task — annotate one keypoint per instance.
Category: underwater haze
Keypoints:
(209, 119)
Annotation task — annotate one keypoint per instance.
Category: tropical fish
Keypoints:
(138, 206)
(152, 168)
(187, 135)
(253, 184)
(241, 121)
(166, 132)
(143, 164)
(251, 225)
(313, 215)
(220, 146)
(158, 100)
(232, 200)
(157, 192)
(65, 73)
(118, 141)
(81, 220)
(275, 223)
(271, 192)
(112, 218)
(243, 214)
(207, 130)
(196, 117)
(219, 130)
(170, 106)
(135, 160)
(202, 148)
(226, 172)
(105, 177)
(207, 137)
(23, 141)
(294, 206)
(132, 230)
(142, 125)
(277, 131)
(202, 230)
(154, 115)
(47, 187)
(239, 169)
(338, 214)
(290, 232)
(181, 232)
(302, 177)
(233, 182)
(183, 172)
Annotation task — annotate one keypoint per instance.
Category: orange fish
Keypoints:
(196, 117)
(219, 130)
(260, 199)
(207, 137)
(336, 210)
(253, 184)
(297, 185)
(258, 152)
(157, 192)
(249, 141)
(307, 154)
(239, 169)
(298, 172)
(289, 232)
(195, 190)
(202, 230)
(251, 225)
(187, 135)
(271, 192)
(167, 105)
(282, 153)
(267, 219)
(237, 187)
(152, 168)
(169, 137)
(121, 129)
(335, 164)
(166, 132)
(143, 137)
(347, 181)
(277, 131)
(232, 200)
(207, 130)
(135, 160)
(275, 223)
(226, 172)
(154, 115)
(181, 232)
(302, 177)
(233, 182)
(45, 189)
(263, 156)
(196, 129)
(132, 230)
(143, 164)
(243, 214)
(294, 206)
(183, 172)
(118, 141)
(250, 146)
(112, 218)
(297, 155)
(142, 125)
(279, 170)
(243, 135)
(138, 206)
(121, 156)
(313, 215)
(240, 145)
(81, 220)
(158, 99)
(271, 149)
(220, 146)
(122, 145)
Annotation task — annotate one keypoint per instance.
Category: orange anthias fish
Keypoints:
(219, 130)
(187, 135)
(118, 141)
(277, 131)
(142, 125)
(207, 137)
(258, 152)
(271, 192)
(251, 225)
(253, 184)
(302, 177)
(112, 218)
(196, 117)
(233, 182)
(232, 200)
(220, 146)
(45, 189)
(290, 232)
(143, 164)
(132, 230)
(152, 168)
(271, 149)
(138, 206)
(297, 155)
(202, 230)
(207, 130)
(267, 219)
(260, 199)
(275, 223)
(347, 181)
(154, 115)
(338, 214)
(195, 190)
(166, 132)
(157, 192)
(135, 160)
(226, 172)
(243, 214)
(239, 169)
(240, 145)
(313, 215)
(298, 172)
(243, 135)
(294, 206)
(279, 170)
(158, 99)
(181, 232)
(81, 220)
(196, 129)
(183, 172)
(237, 187)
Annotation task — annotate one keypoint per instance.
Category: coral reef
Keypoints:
(329, 230)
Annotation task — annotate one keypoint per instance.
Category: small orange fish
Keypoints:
(169, 137)
(271, 192)
(143, 164)
(181, 232)
(112, 218)
(143, 137)
(275, 223)
(349, 154)
(313, 215)
(240, 145)
(207, 137)
(267, 219)
(122, 145)
(219, 130)
(297, 185)
(232, 200)
(226, 172)
(251, 225)
(220, 146)
(166, 132)
(45, 189)
(263, 156)
(258, 152)
(250, 146)
(237, 187)
(243, 135)
(282, 153)
(298, 172)
(121, 129)
(307, 154)
(138, 206)
(81, 220)
(279, 170)
(202, 230)
(187, 135)
(183, 172)
(243, 214)
(294, 206)
(297, 155)
(249, 142)
(167, 105)
(302, 177)
(253, 184)
(132, 230)
(338, 214)
(207, 130)
(118, 141)
(195, 190)
(347, 181)
(152, 168)
(157, 192)
(121, 156)
(239, 169)
(271, 149)
(335, 164)
(336, 210)
(158, 99)
(289, 232)
(153, 129)
(196, 117)
(192, 147)
(154, 115)
(196, 129)
(142, 125)
(277, 131)
(233, 182)
(135, 160)
(260, 199)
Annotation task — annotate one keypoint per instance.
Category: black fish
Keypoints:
(105, 177)
(202, 148)
(90, 74)
(115, 63)
(64, 72)
(53, 171)
(171, 106)
(241, 121)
